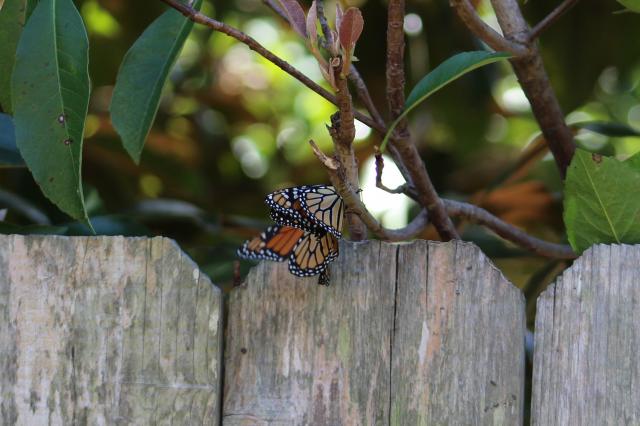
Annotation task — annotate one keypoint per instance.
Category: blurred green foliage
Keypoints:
(232, 127)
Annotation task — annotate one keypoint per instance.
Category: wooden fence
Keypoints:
(112, 330)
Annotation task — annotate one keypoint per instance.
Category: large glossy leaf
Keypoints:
(602, 201)
(448, 71)
(50, 95)
(13, 15)
(9, 155)
(142, 76)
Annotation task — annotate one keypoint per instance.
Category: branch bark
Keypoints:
(535, 83)
(551, 18)
(404, 149)
(481, 216)
(528, 67)
(484, 32)
(343, 132)
(507, 231)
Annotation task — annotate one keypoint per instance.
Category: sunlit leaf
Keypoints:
(448, 71)
(296, 16)
(602, 201)
(13, 15)
(608, 128)
(9, 155)
(142, 76)
(50, 95)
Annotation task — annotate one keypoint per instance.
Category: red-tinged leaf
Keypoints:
(296, 16)
(350, 28)
(312, 29)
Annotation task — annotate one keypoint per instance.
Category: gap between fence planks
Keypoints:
(421, 333)
(587, 342)
(106, 330)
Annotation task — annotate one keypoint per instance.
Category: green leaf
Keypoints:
(602, 201)
(50, 93)
(634, 162)
(632, 5)
(608, 128)
(13, 15)
(143, 73)
(448, 71)
(9, 155)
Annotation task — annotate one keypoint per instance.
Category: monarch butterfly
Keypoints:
(308, 253)
(319, 205)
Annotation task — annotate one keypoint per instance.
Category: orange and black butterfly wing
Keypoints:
(296, 221)
(284, 202)
(312, 255)
(275, 243)
(322, 206)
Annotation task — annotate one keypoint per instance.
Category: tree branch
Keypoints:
(343, 132)
(551, 18)
(356, 207)
(406, 151)
(323, 22)
(481, 216)
(272, 4)
(484, 32)
(529, 68)
(200, 18)
(507, 231)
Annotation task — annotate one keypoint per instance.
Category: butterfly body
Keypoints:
(311, 205)
(308, 253)
(308, 224)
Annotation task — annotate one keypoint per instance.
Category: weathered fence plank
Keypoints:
(106, 330)
(422, 333)
(587, 342)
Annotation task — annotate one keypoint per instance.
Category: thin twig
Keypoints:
(272, 4)
(355, 206)
(402, 189)
(484, 32)
(323, 22)
(481, 216)
(405, 150)
(551, 18)
(354, 75)
(200, 18)
(507, 231)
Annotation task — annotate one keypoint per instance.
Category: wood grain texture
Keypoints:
(587, 341)
(106, 330)
(421, 333)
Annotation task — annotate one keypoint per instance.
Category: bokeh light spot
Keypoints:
(391, 209)
(412, 24)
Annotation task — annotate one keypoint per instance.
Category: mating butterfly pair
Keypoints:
(308, 223)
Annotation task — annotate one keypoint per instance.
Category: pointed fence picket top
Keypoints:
(106, 330)
(420, 333)
(587, 342)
